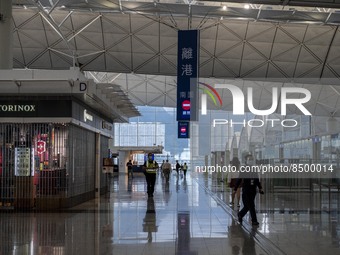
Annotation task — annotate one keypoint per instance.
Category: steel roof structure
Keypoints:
(134, 43)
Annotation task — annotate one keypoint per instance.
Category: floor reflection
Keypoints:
(149, 220)
(183, 227)
(309, 220)
(181, 218)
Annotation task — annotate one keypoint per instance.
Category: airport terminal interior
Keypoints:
(169, 127)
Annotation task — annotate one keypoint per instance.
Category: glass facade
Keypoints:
(158, 126)
(146, 131)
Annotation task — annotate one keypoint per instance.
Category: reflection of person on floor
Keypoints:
(235, 250)
(184, 184)
(166, 193)
(129, 184)
(250, 181)
(149, 220)
(249, 243)
(234, 234)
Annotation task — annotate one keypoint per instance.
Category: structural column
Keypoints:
(6, 34)
(98, 166)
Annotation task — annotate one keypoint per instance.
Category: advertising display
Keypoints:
(22, 161)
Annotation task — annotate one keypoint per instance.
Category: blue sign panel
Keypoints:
(183, 129)
(187, 75)
(316, 139)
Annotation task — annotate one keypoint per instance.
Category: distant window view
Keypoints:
(156, 126)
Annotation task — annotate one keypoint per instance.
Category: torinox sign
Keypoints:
(17, 108)
(239, 99)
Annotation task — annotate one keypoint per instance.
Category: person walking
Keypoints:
(166, 168)
(185, 168)
(129, 168)
(161, 167)
(150, 170)
(178, 166)
(232, 179)
(250, 182)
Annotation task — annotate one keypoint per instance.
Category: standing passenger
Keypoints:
(150, 170)
(129, 167)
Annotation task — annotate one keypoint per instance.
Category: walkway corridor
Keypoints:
(186, 216)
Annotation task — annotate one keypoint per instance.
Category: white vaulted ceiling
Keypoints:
(135, 43)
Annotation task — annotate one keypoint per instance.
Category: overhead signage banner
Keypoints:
(187, 75)
(183, 129)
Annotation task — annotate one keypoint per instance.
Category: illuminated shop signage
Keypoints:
(41, 146)
(106, 125)
(17, 108)
(87, 116)
(35, 108)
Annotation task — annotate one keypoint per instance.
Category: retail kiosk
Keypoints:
(54, 134)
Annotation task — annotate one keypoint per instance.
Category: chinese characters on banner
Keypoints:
(187, 75)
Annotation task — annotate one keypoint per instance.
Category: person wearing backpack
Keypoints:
(185, 168)
(166, 168)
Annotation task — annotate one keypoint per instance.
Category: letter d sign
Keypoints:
(82, 86)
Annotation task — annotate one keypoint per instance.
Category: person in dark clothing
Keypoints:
(250, 182)
(185, 168)
(178, 166)
(129, 167)
(150, 170)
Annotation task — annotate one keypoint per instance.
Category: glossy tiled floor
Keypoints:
(186, 216)
(294, 222)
